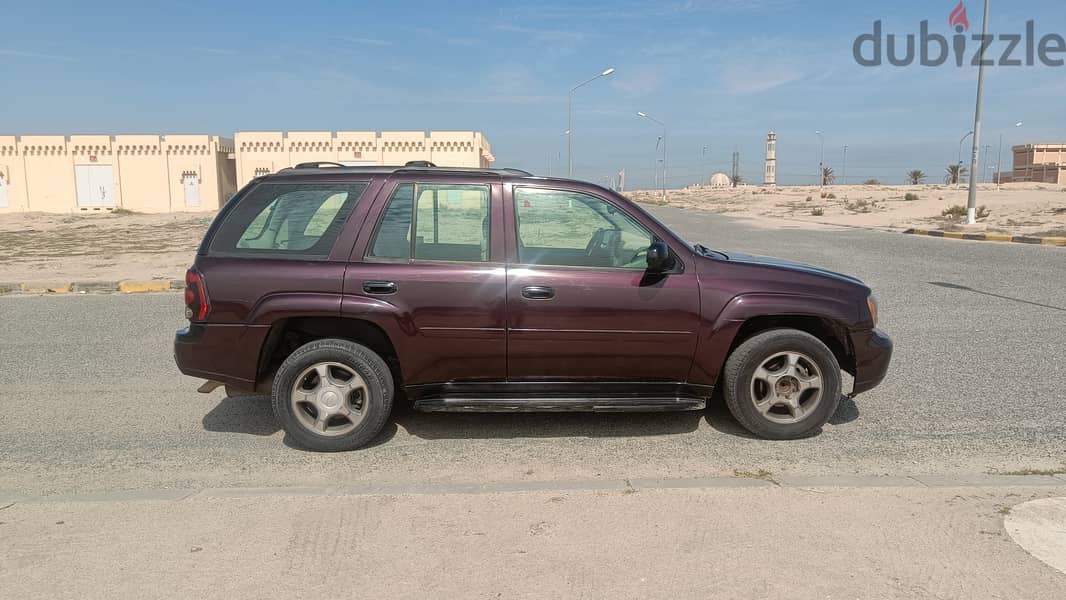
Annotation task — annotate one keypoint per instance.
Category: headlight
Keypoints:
(871, 303)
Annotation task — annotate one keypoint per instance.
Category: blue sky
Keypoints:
(720, 73)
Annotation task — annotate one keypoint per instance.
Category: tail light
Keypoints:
(196, 303)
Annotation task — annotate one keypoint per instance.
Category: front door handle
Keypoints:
(538, 292)
(379, 287)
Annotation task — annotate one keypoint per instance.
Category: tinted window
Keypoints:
(451, 222)
(557, 227)
(299, 220)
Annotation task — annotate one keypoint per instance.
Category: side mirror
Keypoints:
(659, 259)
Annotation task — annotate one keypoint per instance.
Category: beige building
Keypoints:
(144, 173)
(1040, 163)
(167, 173)
(262, 152)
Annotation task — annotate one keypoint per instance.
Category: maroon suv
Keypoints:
(336, 289)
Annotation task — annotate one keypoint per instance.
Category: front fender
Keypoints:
(717, 335)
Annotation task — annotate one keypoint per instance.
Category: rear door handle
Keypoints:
(379, 287)
(538, 292)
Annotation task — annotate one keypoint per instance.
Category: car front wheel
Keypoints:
(332, 395)
(782, 384)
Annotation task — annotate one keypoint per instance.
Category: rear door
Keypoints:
(581, 305)
(428, 252)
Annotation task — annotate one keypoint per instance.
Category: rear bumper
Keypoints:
(873, 353)
(225, 353)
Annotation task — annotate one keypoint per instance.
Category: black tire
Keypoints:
(366, 363)
(740, 370)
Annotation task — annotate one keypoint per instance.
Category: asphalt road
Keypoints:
(91, 399)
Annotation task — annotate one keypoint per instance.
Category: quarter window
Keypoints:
(451, 223)
(557, 227)
(279, 219)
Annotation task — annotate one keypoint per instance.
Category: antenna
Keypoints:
(736, 167)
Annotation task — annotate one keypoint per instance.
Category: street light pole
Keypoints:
(570, 121)
(821, 162)
(845, 164)
(654, 120)
(971, 203)
(999, 161)
(958, 173)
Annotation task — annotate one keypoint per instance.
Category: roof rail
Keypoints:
(318, 163)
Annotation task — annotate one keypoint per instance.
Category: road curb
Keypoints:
(125, 286)
(990, 237)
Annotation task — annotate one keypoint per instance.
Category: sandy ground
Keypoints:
(39, 247)
(763, 542)
(1018, 209)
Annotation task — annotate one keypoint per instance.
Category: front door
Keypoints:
(95, 186)
(581, 305)
(190, 182)
(432, 258)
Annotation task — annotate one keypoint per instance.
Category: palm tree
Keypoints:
(736, 180)
(916, 176)
(827, 176)
(955, 174)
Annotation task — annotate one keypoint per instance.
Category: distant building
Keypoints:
(720, 180)
(262, 152)
(169, 173)
(770, 175)
(144, 173)
(1039, 163)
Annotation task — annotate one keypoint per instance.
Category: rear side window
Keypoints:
(451, 223)
(301, 220)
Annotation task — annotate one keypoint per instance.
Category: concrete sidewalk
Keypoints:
(756, 540)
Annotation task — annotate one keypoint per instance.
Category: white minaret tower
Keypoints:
(770, 176)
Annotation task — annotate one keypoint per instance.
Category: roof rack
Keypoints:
(318, 163)
(410, 167)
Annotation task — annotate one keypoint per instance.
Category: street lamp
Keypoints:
(971, 199)
(654, 120)
(570, 120)
(999, 161)
(845, 164)
(821, 161)
(559, 155)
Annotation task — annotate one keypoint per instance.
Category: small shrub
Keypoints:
(817, 211)
(809, 198)
(910, 197)
(858, 206)
(871, 182)
(958, 211)
(123, 211)
(832, 196)
(824, 194)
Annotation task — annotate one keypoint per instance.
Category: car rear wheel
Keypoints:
(782, 384)
(333, 395)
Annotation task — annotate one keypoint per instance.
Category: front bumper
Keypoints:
(873, 353)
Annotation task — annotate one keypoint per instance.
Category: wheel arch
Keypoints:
(289, 333)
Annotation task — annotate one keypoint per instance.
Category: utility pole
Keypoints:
(958, 174)
(971, 203)
(736, 167)
(821, 162)
(570, 121)
(845, 164)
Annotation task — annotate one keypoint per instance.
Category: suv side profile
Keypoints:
(339, 290)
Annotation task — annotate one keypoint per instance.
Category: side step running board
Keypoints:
(554, 404)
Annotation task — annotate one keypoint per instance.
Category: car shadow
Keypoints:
(481, 426)
(253, 415)
(721, 420)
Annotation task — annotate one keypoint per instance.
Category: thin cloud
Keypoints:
(366, 41)
(40, 55)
